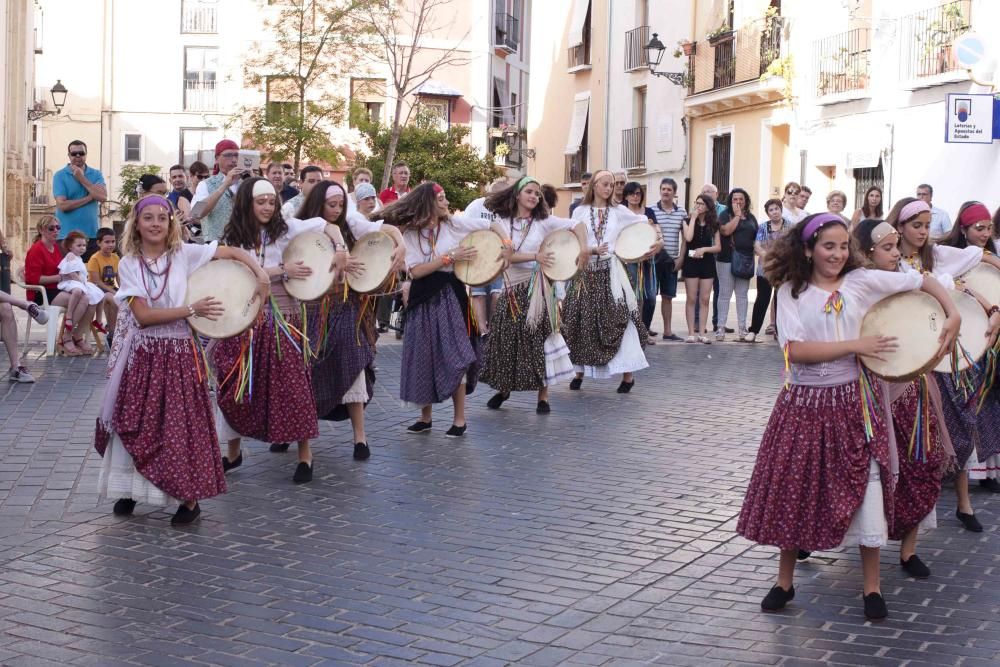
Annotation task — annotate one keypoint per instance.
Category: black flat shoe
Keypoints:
(303, 473)
(278, 447)
(418, 427)
(990, 484)
(875, 609)
(575, 384)
(625, 387)
(456, 431)
(970, 522)
(361, 451)
(184, 515)
(497, 400)
(803, 554)
(123, 507)
(777, 598)
(543, 408)
(228, 465)
(915, 567)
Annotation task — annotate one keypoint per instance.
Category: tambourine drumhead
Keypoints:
(487, 265)
(984, 280)
(315, 250)
(972, 336)
(232, 283)
(566, 247)
(634, 241)
(375, 250)
(915, 319)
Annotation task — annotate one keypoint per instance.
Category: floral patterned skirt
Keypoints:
(594, 322)
(919, 483)
(515, 350)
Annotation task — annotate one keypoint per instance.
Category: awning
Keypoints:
(580, 8)
(581, 109)
(433, 88)
(503, 94)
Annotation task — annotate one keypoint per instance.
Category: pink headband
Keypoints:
(152, 200)
(975, 213)
(437, 188)
(913, 209)
(817, 222)
(334, 189)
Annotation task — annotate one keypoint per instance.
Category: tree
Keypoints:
(400, 29)
(314, 43)
(130, 175)
(431, 153)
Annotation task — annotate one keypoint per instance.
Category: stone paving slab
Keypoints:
(601, 534)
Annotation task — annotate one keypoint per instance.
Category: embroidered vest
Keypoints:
(214, 223)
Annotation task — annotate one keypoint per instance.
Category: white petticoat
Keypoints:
(868, 525)
(119, 478)
(358, 391)
(91, 291)
(988, 469)
(222, 427)
(628, 359)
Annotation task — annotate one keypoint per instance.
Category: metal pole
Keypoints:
(5, 272)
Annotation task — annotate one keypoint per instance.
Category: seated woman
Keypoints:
(8, 326)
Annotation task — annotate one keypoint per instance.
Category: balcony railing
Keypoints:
(576, 164)
(635, 48)
(198, 16)
(842, 62)
(508, 31)
(578, 55)
(741, 56)
(200, 95)
(634, 148)
(927, 37)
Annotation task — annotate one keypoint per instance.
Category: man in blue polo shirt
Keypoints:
(78, 190)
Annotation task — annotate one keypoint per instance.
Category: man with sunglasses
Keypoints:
(213, 198)
(78, 190)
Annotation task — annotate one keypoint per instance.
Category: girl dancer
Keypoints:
(342, 326)
(82, 293)
(525, 349)
(156, 431)
(825, 460)
(703, 241)
(601, 319)
(971, 426)
(441, 356)
(276, 403)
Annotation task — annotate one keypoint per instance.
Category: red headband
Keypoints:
(975, 213)
(437, 189)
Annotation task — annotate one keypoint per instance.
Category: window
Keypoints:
(133, 148)
(865, 178)
(200, 67)
(198, 143)
(576, 143)
(579, 36)
(369, 94)
(440, 108)
(282, 99)
(722, 162)
(634, 138)
(199, 16)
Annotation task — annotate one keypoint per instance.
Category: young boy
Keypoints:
(103, 270)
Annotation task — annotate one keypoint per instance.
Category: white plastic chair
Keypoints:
(55, 315)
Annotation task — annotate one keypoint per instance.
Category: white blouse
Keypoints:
(72, 265)
(949, 262)
(528, 239)
(361, 225)
(619, 218)
(422, 246)
(137, 281)
(275, 249)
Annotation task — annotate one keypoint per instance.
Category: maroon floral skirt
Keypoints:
(164, 417)
(280, 406)
(812, 469)
(919, 483)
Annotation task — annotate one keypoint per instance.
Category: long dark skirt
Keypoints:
(812, 469)
(972, 433)
(919, 483)
(280, 406)
(515, 351)
(345, 350)
(593, 321)
(439, 353)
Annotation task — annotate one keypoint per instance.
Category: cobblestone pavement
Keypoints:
(601, 534)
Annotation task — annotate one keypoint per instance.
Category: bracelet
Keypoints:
(191, 311)
(446, 260)
(284, 277)
(993, 309)
(507, 243)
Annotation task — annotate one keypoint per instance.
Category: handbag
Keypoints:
(741, 266)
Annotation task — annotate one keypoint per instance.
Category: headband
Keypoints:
(912, 210)
(881, 230)
(224, 145)
(437, 188)
(332, 190)
(973, 214)
(818, 221)
(263, 187)
(524, 181)
(152, 200)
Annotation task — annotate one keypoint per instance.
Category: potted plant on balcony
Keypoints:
(684, 48)
(938, 38)
(723, 33)
(500, 153)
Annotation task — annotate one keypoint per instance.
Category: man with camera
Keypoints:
(213, 198)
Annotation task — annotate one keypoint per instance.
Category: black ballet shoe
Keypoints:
(970, 522)
(361, 451)
(543, 408)
(418, 427)
(497, 400)
(185, 516)
(777, 598)
(228, 465)
(303, 473)
(875, 609)
(456, 431)
(337, 414)
(803, 554)
(576, 383)
(123, 507)
(915, 567)
(278, 447)
(625, 387)
(990, 484)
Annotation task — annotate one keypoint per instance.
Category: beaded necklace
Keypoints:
(432, 238)
(526, 229)
(260, 250)
(149, 268)
(602, 223)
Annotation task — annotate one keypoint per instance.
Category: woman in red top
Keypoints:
(41, 267)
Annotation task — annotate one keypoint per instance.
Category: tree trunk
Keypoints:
(390, 153)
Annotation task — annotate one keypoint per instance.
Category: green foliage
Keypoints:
(130, 175)
(287, 138)
(432, 154)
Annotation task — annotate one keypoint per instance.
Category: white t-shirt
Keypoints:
(422, 246)
(185, 261)
(201, 192)
(477, 209)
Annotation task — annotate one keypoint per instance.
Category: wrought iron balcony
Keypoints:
(737, 57)
(200, 95)
(199, 16)
(927, 36)
(635, 48)
(634, 148)
(507, 31)
(842, 62)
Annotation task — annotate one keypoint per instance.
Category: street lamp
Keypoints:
(654, 55)
(58, 93)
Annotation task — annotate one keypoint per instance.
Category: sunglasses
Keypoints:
(53, 228)
(201, 175)
(619, 182)
(791, 192)
(77, 153)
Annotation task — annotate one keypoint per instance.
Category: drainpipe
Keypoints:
(607, 86)
(892, 161)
